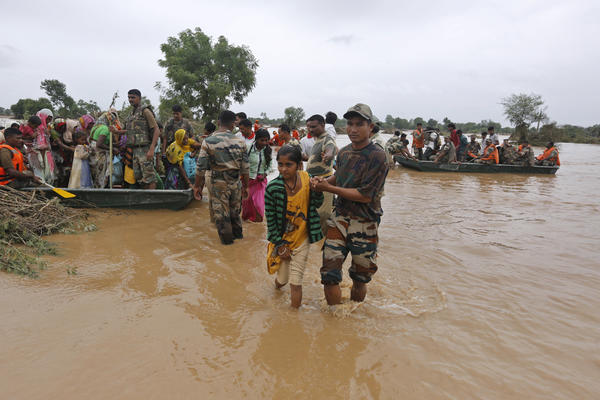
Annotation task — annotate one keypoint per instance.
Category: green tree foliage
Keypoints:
(165, 109)
(65, 105)
(126, 108)
(522, 110)
(24, 108)
(432, 123)
(207, 75)
(293, 116)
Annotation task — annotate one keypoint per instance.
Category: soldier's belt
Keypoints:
(228, 174)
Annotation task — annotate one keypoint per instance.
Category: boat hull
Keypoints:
(124, 198)
(430, 166)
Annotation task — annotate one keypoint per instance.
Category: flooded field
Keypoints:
(488, 287)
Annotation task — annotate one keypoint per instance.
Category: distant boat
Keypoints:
(123, 198)
(430, 166)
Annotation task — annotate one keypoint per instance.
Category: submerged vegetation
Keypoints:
(25, 218)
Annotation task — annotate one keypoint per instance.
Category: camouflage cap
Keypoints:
(362, 110)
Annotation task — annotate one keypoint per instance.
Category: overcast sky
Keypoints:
(433, 59)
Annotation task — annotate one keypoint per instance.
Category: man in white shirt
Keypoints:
(307, 143)
(330, 119)
(493, 136)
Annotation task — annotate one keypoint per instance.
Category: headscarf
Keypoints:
(85, 121)
(47, 112)
(176, 150)
(109, 118)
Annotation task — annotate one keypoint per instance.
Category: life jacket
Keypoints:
(18, 164)
(418, 139)
(491, 153)
(138, 130)
(547, 155)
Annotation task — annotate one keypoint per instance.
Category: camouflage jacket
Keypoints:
(223, 151)
(316, 166)
(172, 126)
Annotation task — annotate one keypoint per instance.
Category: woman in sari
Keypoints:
(176, 152)
(40, 156)
(101, 157)
(259, 157)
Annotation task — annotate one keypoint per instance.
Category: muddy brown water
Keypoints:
(488, 287)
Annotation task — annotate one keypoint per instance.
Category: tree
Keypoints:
(522, 110)
(126, 108)
(24, 108)
(64, 104)
(432, 123)
(539, 116)
(293, 116)
(165, 109)
(207, 75)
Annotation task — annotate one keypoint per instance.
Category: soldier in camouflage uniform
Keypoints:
(447, 153)
(224, 154)
(142, 135)
(525, 156)
(320, 161)
(473, 149)
(352, 228)
(398, 147)
(285, 135)
(509, 153)
(173, 125)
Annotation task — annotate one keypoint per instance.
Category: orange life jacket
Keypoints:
(547, 155)
(493, 155)
(18, 164)
(418, 139)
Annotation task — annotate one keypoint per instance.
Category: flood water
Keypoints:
(488, 287)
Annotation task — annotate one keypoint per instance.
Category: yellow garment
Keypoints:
(128, 175)
(297, 223)
(177, 150)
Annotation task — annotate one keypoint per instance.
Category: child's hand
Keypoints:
(284, 252)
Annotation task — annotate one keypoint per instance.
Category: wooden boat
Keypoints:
(124, 198)
(430, 166)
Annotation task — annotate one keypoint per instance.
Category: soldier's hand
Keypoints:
(197, 193)
(244, 193)
(150, 155)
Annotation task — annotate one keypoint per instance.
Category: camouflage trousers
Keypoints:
(142, 168)
(349, 235)
(226, 204)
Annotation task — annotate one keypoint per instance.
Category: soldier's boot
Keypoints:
(224, 230)
(236, 227)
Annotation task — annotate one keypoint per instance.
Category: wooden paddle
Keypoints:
(62, 193)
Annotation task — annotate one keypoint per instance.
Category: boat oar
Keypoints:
(62, 193)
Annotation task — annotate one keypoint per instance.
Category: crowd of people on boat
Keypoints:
(430, 145)
(337, 196)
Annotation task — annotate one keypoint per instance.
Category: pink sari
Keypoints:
(41, 157)
(254, 205)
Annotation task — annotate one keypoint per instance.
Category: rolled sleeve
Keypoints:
(245, 164)
(203, 157)
(150, 119)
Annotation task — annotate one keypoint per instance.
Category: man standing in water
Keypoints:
(352, 228)
(320, 161)
(142, 135)
(224, 154)
(173, 125)
(418, 141)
